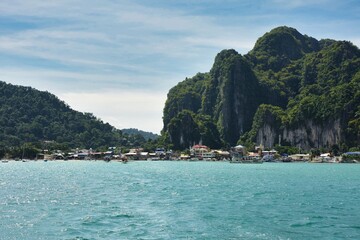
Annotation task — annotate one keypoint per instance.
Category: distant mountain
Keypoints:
(290, 89)
(31, 116)
(146, 135)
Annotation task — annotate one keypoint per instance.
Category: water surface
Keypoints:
(178, 200)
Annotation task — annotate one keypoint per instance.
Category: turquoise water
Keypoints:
(178, 200)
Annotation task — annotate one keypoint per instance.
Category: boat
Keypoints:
(237, 158)
(4, 161)
(329, 160)
(247, 160)
(207, 156)
(235, 161)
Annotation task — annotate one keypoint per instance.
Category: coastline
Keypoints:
(169, 160)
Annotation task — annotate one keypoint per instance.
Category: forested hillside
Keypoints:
(31, 116)
(290, 89)
(144, 134)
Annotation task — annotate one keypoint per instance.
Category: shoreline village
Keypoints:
(198, 152)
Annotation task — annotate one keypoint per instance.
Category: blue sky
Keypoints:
(118, 59)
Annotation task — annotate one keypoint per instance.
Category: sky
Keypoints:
(119, 58)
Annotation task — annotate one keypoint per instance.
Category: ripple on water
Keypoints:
(178, 200)
(122, 215)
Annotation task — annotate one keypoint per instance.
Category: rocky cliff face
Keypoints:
(232, 96)
(312, 135)
(307, 136)
(229, 95)
(310, 88)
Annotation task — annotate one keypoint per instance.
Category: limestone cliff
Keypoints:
(307, 136)
(290, 89)
(232, 95)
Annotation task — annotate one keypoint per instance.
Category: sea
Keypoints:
(178, 200)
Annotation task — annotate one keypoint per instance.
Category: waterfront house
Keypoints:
(239, 150)
(144, 156)
(184, 157)
(271, 152)
(254, 154)
(221, 155)
(97, 155)
(160, 152)
(199, 150)
(131, 156)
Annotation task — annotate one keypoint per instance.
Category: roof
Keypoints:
(96, 153)
(239, 146)
(224, 153)
(270, 151)
(352, 153)
(199, 146)
(130, 154)
(299, 155)
(253, 154)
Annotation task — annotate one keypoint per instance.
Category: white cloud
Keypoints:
(122, 109)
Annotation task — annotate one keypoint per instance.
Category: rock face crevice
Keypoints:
(236, 97)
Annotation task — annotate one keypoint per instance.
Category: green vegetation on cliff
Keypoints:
(188, 128)
(290, 88)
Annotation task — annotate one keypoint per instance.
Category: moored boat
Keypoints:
(245, 159)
